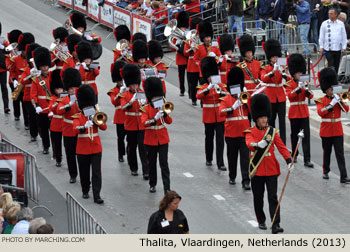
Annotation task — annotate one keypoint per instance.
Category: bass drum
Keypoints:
(96, 49)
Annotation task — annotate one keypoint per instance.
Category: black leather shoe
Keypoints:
(182, 94)
(58, 164)
(194, 103)
(277, 229)
(222, 168)
(246, 186)
(262, 226)
(85, 195)
(152, 189)
(325, 176)
(232, 182)
(26, 127)
(98, 200)
(309, 164)
(16, 118)
(208, 163)
(7, 110)
(72, 180)
(121, 159)
(46, 151)
(145, 176)
(345, 180)
(134, 173)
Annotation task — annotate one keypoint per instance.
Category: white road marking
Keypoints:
(218, 197)
(188, 175)
(253, 223)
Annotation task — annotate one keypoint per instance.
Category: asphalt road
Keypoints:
(310, 204)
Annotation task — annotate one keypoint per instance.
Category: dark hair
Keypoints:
(336, 10)
(167, 199)
(45, 229)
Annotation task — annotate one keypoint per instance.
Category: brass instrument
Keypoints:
(99, 118)
(69, 26)
(58, 51)
(172, 31)
(12, 49)
(168, 107)
(192, 36)
(243, 97)
(123, 46)
(345, 97)
(17, 91)
(42, 83)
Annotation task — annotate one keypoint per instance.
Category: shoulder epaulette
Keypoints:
(224, 85)
(165, 65)
(199, 87)
(12, 59)
(261, 63)
(110, 91)
(318, 100)
(114, 50)
(22, 69)
(142, 108)
(287, 84)
(222, 98)
(276, 130)
(76, 115)
(247, 130)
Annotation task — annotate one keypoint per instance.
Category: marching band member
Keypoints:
(67, 108)
(264, 168)
(227, 47)
(155, 54)
(56, 88)
(250, 66)
(78, 21)
(140, 53)
(156, 134)
(89, 147)
(59, 34)
(192, 67)
(137, 36)
(271, 74)
(329, 108)
(121, 32)
(3, 73)
(71, 41)
(40, 94)
(206, 35)
(135, 130)
(119, 115)
(236, 114)
(298, 113)
(210, 95)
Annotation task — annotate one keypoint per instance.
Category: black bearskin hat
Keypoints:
(272, 48)
(42, 57)
(78, 20)
(13, 36)
(154, 50)
(23, 39)
(328, 78)
(138, 36)
(30, 49)
(84, 51)
(72, 40)
(209, 67)
(235, 76)
(86, 96)
(55, 80)
(260, 106)
(60, 33)
(205, 29)
(131, 74)
(122, 32)
(183, 19)
(115, 70)
(226, 43)
(246, 43)
(139, 50)
(153, 88)
(296, 63)
(194, 22)
(71, 78)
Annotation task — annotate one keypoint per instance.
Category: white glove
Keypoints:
(88, 124)
(290, 167)
(2, 47)
(38, 110)
(221, 58)
(35, 72)
(262, 144)
(300, 84)
(50, 114)
(280, 68)
(88, 37)
(226, 56)
(159, 115)
(275, 67)
(15, 83)
(236, 104)
(122, 89)
(85, 66)
(337, 97)
(333, 102)
(133, 98)
(211, 85)
(71, 103)
(212, 54)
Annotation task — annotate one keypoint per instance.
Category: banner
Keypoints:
(107, 14)
(14, 162)
(142, 24)
(66, 3)
(93, 10)
(121, 17)
(78, 6)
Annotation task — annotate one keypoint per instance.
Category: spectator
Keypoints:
(24, 217)
(235, 15)
(333, 38)
(148, 7)
(5, 198)
(46, 229)
(122, 3)
(9, 213)
(161, 15)
(264, 10)
(342, 17)
(35, 224)
(280, 15)
(315, 15)
(303, 15)
(134, 6)
(326, 5)
(192, 7)
(344, 69)
(1, 223)
(342, 4)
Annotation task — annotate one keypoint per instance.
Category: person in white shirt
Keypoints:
(333, 38)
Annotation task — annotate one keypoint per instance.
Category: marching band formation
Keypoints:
(59, 95)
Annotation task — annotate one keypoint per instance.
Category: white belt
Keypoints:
(249, 81)
(156, 127)
(237, 118)
(42, 97)
(211, 105)
(221, 73)
(28, 85)
(330, 120)
(190, 57)
(87, 135)
(57, 116)
(132, 113)
(118, 107)
(268, 154)
(68, 121)
(59, 67)
(274, 85)
(298, 103)
(89, 82)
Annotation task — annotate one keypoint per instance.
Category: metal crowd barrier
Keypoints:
(80, 221)
(31, 174)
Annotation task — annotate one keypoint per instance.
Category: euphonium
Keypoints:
(172, 31)
(99, 118)
(192, 36)
(123, 46)
(60, 54)
(12, 49)
(243, 97)
(168, 107)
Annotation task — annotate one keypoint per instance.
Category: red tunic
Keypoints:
(155, 132)
(298, 104)
(330, 117)
(132, 112)
(269, 165)
(225, 68)
(55, 61)
(57, 120)
(63, 108)
(38, 94)
(5, 43)
(119, 114)
(192, 67)
(71, 62)
(160, 66)
(274, 89)
(89, 77)
(254, 67)
(203, 52)
(158, 13)
(27, 84)
(17, 68)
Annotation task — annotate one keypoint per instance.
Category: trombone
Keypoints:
(99, 118)
(168, 107)
(243, 97)
(172, 31)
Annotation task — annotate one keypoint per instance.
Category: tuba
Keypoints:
(173, 32)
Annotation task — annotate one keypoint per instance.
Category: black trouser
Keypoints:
(17, 107)
(258, 189)
(135, 138)
(333, 59)
(56, 141)
(70, 146)
(181, 74)
(338, 143)
(44, 126)
(235, 145)
(297, 124)
(210, 129)
(192, 79)
(120, 138)
(163, 163)
(85, 161)
(4, 91)
(279, 108)
(33, 124)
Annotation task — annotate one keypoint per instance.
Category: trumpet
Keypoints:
(58, 51)
(243, 97)
(172, 31)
